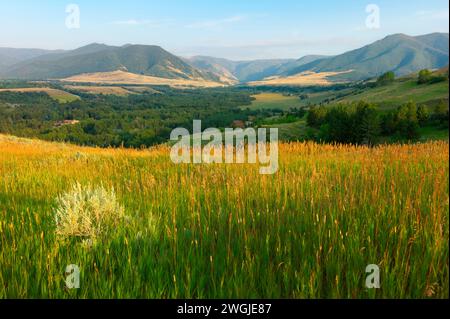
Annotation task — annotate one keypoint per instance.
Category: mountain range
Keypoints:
(247, 71)
(400, 53)
(138, 59)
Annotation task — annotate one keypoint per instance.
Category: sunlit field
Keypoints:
(57, 95)
(274, 101)
(224, 231)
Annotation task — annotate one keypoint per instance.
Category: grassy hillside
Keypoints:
(304, 79)
(430, 133)
(295, 131)
(400, 92)
(58, 95)
(400, 53)
(189, 232)
(391, 95)
(122, 77)
(222, 68)
(108, 90)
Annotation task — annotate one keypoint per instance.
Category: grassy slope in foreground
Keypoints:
(226, 231)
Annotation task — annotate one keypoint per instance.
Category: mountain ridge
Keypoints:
(11, 56)
(148, 60)
(399, 52)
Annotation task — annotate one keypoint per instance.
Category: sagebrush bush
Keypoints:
(87, 212)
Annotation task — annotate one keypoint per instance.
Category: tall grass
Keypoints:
(224, 231)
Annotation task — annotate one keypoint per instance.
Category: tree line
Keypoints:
(365, 123)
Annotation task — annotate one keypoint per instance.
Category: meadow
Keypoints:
(58, 95)
(295, 131)
(108, 90)
(224, 231)
(307, 78)
(400, 91)
(387, 96)
(121, 77)
(273, 101)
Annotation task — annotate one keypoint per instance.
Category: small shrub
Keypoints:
(87, 212)
(425, 76)
(386, 78)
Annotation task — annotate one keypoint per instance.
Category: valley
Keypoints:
(88, 179)
(99, 101)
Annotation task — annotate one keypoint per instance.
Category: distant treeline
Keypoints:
(364, 123)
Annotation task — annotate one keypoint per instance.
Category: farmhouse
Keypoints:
(66, 122)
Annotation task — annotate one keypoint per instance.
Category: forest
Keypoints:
(109, 120)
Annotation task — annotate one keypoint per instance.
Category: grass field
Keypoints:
(121, 77)
(292, 131)
(307, 78)
(428, 133)
(224, 230)
(388, 96)
(58, 95)
(274, 101)
(107, 90)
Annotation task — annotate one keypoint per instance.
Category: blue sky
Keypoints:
(240, 30)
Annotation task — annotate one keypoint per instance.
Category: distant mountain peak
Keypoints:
(94, 45)
(397, 35)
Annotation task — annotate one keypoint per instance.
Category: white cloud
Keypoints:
(128, 22)
(211, 24)
(150, 23)
(432, 15)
